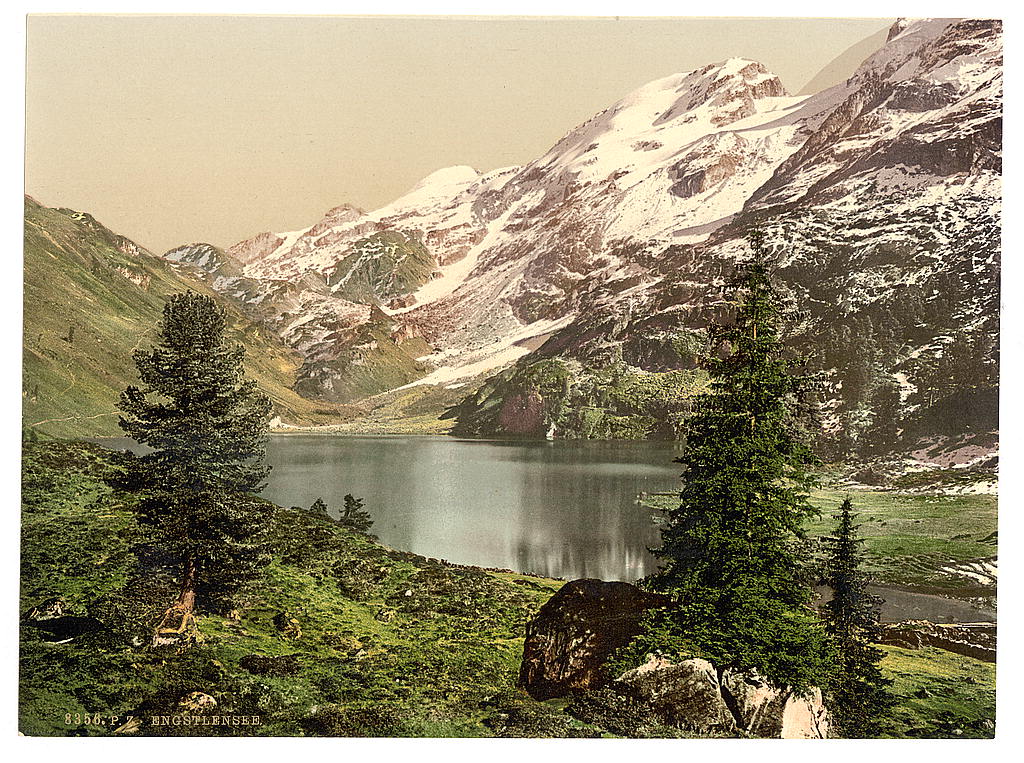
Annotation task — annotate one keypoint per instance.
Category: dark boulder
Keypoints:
(287, 625)
(576, 631)
(52, 618)
(64, 629)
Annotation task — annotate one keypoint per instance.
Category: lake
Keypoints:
(565, 509)
(562, 508)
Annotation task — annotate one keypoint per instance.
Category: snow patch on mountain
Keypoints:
(495, 356)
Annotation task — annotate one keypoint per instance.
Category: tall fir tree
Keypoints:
(207, 427)
(857, 688)
(741, 596)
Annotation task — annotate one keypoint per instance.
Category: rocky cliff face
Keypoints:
(881, 197)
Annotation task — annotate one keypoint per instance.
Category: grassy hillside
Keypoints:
(391, 644)
(910, 537)
(91, 297)
(572, 401)
(374, 361)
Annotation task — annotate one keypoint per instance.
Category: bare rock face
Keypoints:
(691, 695)
(686, 695)
(977, 640)
(574, 633)
(805, 716)
(255, 248)
(756, 705)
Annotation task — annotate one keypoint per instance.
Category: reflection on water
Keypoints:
(564, 509)
(561, 509)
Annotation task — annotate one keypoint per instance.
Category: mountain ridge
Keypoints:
(91, 296)
(880, 198)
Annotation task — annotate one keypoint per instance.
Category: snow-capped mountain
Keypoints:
(881, 195)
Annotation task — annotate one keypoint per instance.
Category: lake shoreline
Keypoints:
(557, 509)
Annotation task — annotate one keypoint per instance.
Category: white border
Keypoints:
(514, 751)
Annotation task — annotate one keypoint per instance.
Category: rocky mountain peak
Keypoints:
(255, 248)
(205, 257)
(885, 186)
(729, 89)
(897, 28)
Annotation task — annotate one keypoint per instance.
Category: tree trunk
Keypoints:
(178, 627)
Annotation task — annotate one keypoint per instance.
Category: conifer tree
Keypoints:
(857, 689)
(319, 507)
(741, 597)
(207, 426)
(353, 516)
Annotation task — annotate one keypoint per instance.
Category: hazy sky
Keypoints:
(203, 128)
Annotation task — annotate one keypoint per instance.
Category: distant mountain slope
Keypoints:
(881, 197)
(91, 297)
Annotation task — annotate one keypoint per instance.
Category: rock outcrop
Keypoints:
(196, 702)
(574, 633)
(756, 705)
(687, 695)
(570, 640)
(977, 640)
(288, 626)
(692, 695)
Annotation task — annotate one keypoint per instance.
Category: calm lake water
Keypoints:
(560, 509)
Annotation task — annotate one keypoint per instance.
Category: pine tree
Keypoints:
(353, 516)
(319, 507)
(730, 562)
(857, 689)
(207, 426)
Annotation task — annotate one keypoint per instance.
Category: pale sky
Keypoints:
(178, 129)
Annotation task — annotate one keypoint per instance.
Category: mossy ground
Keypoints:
(940, 694)
(392, 644)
